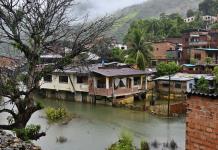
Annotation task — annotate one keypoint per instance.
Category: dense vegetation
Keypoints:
(202, 85)
(162, 28)
(57, 114)
(150, 9)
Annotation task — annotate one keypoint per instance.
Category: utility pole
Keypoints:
(168, 111)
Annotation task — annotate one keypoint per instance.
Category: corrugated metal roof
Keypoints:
(121, 70)
(189, 65)
(118, 72)
(207, 49)
(186, 77)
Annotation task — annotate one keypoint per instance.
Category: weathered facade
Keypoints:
(109, 81)
(202, 122)
(165, 51)
(180, 84)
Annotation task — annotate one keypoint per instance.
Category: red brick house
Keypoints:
(214, 38)
(202, 122)
(200, 55)
(163, 52)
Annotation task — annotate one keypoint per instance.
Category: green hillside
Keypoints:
(149, 9)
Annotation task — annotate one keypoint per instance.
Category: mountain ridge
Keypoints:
(149, 9)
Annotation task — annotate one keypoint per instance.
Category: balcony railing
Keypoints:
(198, 43)
(117, 92)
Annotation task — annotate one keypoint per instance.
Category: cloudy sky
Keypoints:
(97, 8)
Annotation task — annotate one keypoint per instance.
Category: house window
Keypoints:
(190, 85)
(137, 80)
(198, 56)
(101, 83)
(48, 78)
(178, 85)
(166, 85)
(63, 79)
(82, 79)
(121, 84)
(153, 63)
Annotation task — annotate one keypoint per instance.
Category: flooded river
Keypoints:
(99, 126)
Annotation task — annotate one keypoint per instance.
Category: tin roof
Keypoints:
(189, 65)
(103, 69)
(207, 49)
(113, 72)
(186, 77)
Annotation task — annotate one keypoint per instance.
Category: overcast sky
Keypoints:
(97, 8)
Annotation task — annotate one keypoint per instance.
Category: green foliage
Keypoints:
(190, 13)
(202, 85)
(125, 143)
(28, 132)
(39, 105)
(56, 114)
(144, 145)
(150, 9)
(193, 61)
(167, 68)
(159, 29)
(208, 60)
(214, 26)
(140, 60)
(215, 72)
(118, 54)
(139, 51)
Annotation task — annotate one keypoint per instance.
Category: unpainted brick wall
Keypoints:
(202, 123)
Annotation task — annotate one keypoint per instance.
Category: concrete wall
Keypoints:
(56, 85)
(202, 124)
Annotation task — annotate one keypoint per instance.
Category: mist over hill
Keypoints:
(149, 9)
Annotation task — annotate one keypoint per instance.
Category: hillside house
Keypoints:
(111, 81)
(180, 83)
(198, 39)
(198, 69)
(200, 55)
(206, 18)
(164, 52)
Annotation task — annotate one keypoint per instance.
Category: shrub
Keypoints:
(28, 132)
(56, 114)
(144, 145)
(125, 143)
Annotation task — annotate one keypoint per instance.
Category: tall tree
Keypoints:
(190, 13)
(31, 26)
(139, 49)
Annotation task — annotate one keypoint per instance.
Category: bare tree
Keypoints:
(31, 26)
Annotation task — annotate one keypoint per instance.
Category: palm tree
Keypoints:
(139, 50)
